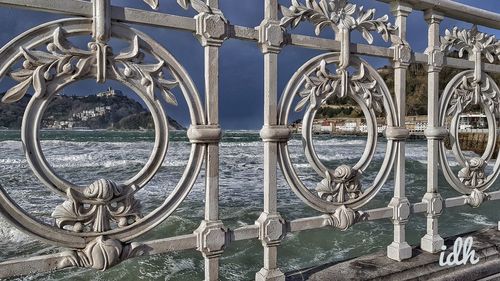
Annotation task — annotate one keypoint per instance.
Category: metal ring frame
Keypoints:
(294, 86)
(41, 35)
(448, 95)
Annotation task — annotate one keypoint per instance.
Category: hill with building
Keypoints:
(416, 89)
(106, 110)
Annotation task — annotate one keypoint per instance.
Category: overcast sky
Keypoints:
(241, 74)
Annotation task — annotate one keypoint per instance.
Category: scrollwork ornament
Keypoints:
(100, 203)
(467, 89)
(466, 95)
(102, 254)
(150, 75)
(473, 174)
(321, 85)
(343, 218)
(344, 186)
(476, 198)
(463, 91)
(343, 17)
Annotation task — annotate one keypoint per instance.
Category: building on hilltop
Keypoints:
(110, 92)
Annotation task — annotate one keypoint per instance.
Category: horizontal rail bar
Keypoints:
(121, 14)
(245, 232)
(31, 265)
(177, 243)
(306, 223)
(456, 10)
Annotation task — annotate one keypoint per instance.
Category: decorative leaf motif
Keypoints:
(465, 94)
(132, 53)
(468, 40)
(62, 59)
(102, 253)
(320, 86)
(21, 74)
(149, 75)
(83, 67)
(367, 88)
(199, 5)
(152, 3)
(39, 81)
(39, 67)
(17, 92)
(344, 186)
(338, 14)
(166, 86)
(473, 174)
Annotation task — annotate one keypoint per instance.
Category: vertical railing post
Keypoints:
(432, 242)
(211, 30)
(399, 248)
(271, 224)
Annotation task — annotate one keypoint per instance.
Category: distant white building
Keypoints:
(472, 121)
(347, 127)
(109, 93)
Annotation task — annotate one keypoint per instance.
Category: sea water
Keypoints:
(85, 156)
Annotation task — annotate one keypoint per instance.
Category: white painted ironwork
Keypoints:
(97, 222)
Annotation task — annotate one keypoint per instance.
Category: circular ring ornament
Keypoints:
(62, 64)
(31, 128)
(459, 94)
(314, 83)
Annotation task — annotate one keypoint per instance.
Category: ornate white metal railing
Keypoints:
(99, 222)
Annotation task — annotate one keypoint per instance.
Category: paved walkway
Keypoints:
(422, 266)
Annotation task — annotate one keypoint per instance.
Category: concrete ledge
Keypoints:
(422, 266)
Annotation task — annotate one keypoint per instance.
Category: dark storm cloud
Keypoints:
(241, 76)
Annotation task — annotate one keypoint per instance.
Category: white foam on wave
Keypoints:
(477, 219)
(337, 142)
(12, 161)
(10, 143)
(87, 161)
(246, 144)
(11, 234)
